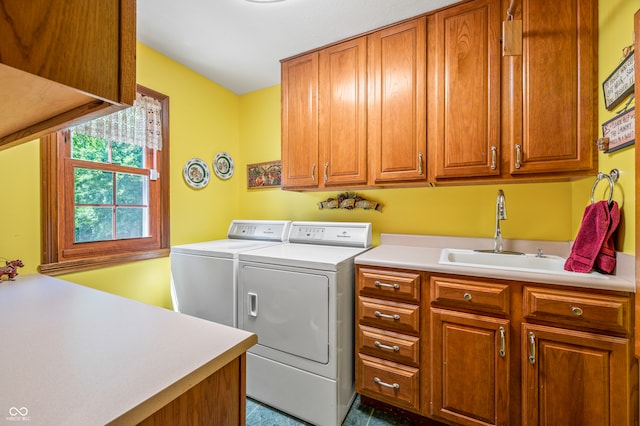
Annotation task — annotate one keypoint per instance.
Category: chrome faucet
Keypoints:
(501, 214)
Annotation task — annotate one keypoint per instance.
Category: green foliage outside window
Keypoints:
(106, 198)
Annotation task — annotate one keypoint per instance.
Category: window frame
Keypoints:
(60, 253)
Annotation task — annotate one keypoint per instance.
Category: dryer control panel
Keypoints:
(267, 230)
(350, 234)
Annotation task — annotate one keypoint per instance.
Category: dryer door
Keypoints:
(288, 310)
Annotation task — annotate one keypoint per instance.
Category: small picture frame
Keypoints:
(620, 83)
(264, 175)
(620, 130)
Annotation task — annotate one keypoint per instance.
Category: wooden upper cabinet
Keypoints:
(300, 155)
(464, 83)
(398, 102)
(553, 103)
(343, 113)
(324, 117)
(62, 62)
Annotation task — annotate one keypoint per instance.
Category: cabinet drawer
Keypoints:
(390, 315)
(606, 312)
(475, 295)
(389, 345)
(389, 284)
(389, 382)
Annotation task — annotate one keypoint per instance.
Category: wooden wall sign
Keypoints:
(620, 83)
(621, 130)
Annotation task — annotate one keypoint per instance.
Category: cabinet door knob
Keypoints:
(467, 297)
(576, 311)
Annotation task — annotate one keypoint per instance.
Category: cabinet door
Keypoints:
(464, 78)
(300, 121)
(343, 113)
(470, 371)
(554, 100)
(397, 102)
(576, 378)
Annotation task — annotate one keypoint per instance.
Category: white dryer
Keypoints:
(298, 298)
(204, 275)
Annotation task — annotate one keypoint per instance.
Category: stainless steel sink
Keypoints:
(547, 264)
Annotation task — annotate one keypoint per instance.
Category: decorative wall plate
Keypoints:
(196, 173)
(223, 165)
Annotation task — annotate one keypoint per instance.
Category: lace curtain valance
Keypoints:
(139, 125)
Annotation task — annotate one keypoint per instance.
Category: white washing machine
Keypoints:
(204, 275)
(298, 298)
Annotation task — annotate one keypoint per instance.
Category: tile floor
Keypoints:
(259, 414)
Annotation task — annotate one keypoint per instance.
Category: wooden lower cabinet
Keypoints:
(470, 368)
(572, 377)
(219, 399)
(477, 351)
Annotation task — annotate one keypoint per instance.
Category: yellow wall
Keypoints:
(615, 32)
(206, 119)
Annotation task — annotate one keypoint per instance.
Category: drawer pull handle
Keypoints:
(381, 315)
(576, 311)
(394, 348)
(502, 352)
(388, 385)
(532, 347)
(394, 285)
(467, 297)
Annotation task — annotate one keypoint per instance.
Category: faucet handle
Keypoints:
(540, 254)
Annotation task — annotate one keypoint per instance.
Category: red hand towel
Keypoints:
(591, 236)
(606, 258)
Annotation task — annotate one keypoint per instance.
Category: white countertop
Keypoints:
(422, 253)
(73, 355)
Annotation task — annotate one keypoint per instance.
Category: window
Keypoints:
(105, 189)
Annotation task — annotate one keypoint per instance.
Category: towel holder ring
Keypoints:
(612, 177)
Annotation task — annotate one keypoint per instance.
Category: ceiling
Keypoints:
(239, 44)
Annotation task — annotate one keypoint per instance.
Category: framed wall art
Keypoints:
(620, 83)
(264, 175)
(620, 130)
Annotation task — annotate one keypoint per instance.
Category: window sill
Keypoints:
(65, 267)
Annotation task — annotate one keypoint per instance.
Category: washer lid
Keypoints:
(321, 257)
(221, 248)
